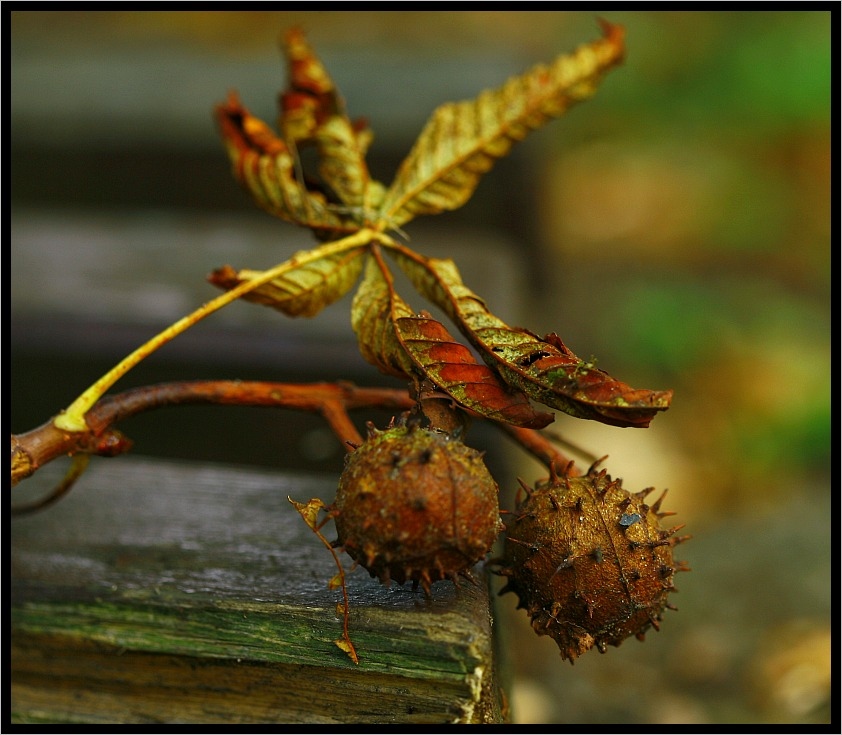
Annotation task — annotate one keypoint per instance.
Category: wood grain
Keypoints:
(170, 592)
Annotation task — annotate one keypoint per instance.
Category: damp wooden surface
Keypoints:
(169, 592)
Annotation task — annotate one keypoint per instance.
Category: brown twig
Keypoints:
(542, 448)
(40, 446)
(77, 469)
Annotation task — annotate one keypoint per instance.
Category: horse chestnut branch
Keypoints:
(588, 561)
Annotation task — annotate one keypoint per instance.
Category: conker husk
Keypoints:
(414, 504)
(589, 562)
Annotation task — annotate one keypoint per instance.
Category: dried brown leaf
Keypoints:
(405, 344)
(312, 111)
(545, 369)
(453, 368)
(265, 166)
(309, 511)
(373, 310)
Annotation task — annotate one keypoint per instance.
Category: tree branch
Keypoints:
(542, 448)
(40, 446)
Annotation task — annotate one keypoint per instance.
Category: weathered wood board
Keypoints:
(170, 592)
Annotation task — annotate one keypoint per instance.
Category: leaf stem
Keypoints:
(73, 417)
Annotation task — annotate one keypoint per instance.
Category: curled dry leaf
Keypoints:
(309, 511)
(264, 164)
(402, 343)
(545, 369)
(312, 111)
(375, 307)
(452, 367)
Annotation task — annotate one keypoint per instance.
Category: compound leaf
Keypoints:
(460, 142)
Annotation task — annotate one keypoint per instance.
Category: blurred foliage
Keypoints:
(686, 213)
(696, 191)
(730, 72)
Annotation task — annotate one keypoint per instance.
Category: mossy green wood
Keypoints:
(166, 592)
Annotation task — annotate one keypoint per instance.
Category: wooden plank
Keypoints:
(168, 592)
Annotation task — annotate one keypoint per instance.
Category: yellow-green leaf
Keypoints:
(303, 290)
(373, 309)
(309, 511)
(462, 141)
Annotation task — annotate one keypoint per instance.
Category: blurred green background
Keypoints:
(677, 227)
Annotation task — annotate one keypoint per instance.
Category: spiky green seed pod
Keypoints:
(416, 505)
(590, 562)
